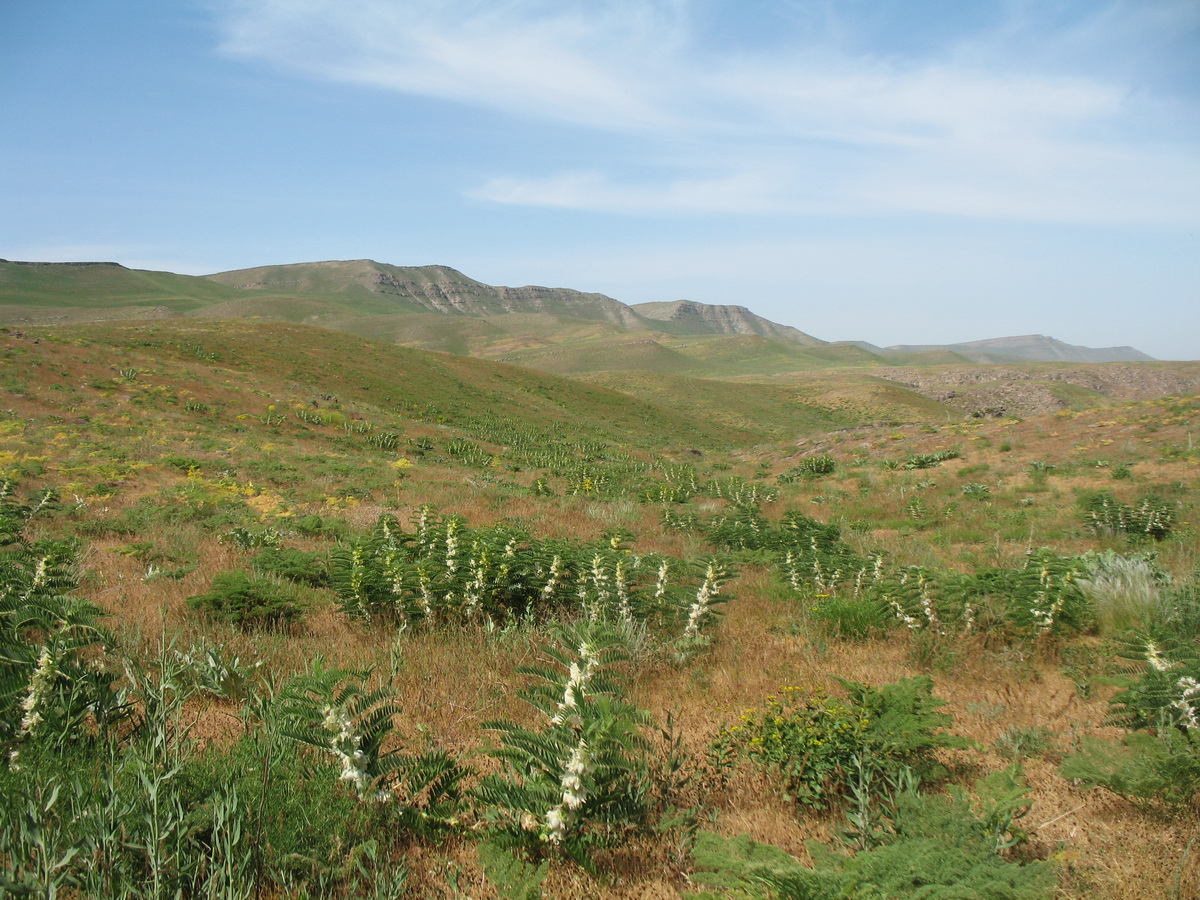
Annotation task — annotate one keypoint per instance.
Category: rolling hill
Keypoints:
(440, 308)
(1027, 348)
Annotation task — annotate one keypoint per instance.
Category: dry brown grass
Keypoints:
(449, 682)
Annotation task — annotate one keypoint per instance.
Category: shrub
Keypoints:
(316, 526)
(331, 711)
(940, 848)
(249, 538)
(1179, 612)
(293, 565)
(1017, 742)
(1160, 703)
(814, 739)
(1150, 517)
(928, 460)
(247, 602)
(182, 463)
(576, 782)
(446, 571)
(850, 618)
(1162, 766)
(976, 490)
(51, 682)
(809, 467)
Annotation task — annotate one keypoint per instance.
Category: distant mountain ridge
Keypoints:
(378, 299)
(439, 289)
(1027, 348)
(723, 319)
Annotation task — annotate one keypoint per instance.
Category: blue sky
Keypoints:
(897, 171)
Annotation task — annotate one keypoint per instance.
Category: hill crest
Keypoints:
(373, 298)
(1028, 348)
(706, 317)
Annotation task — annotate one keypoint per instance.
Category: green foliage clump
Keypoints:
(247, 602)
(251, 538)
(445, 571)
(849, 617)
(50, 682)
(815, 740)
(182, 463)
(928, 460)
(950, 847)
(800, 536)
(1037, 599)
(578, 781)
(1159, 703)
(1144, 767)
(808, 468)
(514, 879)
(976, 490)
(315, 526)
(331, 711)
(300, 566)
(1149, 517)
(663, 493)
(147, 812)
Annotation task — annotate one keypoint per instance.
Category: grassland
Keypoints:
(179, 450)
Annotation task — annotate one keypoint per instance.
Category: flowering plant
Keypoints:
(577, 781)
(331, 711)
(817, 740)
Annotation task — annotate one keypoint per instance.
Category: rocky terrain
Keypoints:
(1005, 390)
(723, 320)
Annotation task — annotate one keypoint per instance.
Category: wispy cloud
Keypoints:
(566, 61)
(817, 125)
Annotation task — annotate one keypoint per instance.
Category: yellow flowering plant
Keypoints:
(816, 740)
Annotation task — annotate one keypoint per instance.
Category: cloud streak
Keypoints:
(811, 126)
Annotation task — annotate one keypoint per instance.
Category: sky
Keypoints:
(894, 171)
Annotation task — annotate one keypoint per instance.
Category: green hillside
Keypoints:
(778, 411)
(103, 285)
(303, 363)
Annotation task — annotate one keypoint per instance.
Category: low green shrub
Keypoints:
(182, 463)
(330, 528)
(976, 490)
(1150, 517)
(1159, 702)
(248, 602)
(951, 847)
(849, 617)
(928, 460)
(809, 467)
(1143, 767)
(300, 566)
(813, 739)
(247, 538)
(578, 781)
(1018, 742)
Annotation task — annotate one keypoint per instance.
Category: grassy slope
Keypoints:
(102, 286)
(103, 412)
(782, 412)
(315, 361)
(337, 276)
